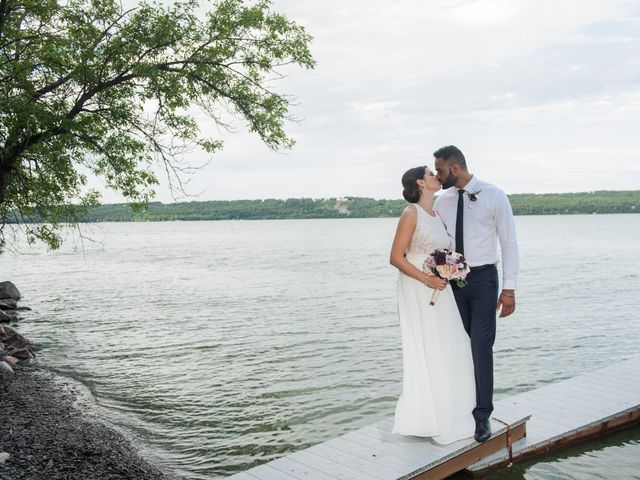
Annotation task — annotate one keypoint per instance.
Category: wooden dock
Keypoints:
(525, 425)
(568, 412)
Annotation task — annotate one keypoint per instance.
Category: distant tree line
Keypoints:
(576, 203)
(354, 207)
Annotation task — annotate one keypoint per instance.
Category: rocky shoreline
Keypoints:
(44, 433)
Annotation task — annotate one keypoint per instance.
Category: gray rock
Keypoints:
(13, 313)
(23, 354)
(9, 316)
(11, 339)
(10, 360)
(6, 330)
(9, 290)
(5, 369)
(8, 304)
(6, 318)
(4, 456)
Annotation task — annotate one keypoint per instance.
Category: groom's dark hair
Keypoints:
(451, 154)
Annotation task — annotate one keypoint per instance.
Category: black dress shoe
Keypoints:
(483, 430)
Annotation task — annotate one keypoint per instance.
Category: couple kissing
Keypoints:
(447, 346)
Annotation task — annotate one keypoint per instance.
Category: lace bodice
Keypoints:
(429, 234)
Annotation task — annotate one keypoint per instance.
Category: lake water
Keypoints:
(223, 345)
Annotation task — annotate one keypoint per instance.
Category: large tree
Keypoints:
(89, 88)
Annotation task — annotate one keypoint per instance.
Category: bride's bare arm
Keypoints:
(401, 242)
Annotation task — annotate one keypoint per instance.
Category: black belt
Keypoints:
(482, 267)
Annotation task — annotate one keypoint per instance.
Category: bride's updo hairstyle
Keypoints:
(411, 192)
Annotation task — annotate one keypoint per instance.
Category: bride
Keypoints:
(438, 386)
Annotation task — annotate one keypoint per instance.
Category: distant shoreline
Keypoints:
(601, 202)
(137, 220)
(585, 203)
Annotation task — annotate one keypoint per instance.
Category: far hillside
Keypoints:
(356, 207)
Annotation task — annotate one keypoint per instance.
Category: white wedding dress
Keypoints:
(438, 386)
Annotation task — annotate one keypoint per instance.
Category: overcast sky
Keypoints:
(541, 96)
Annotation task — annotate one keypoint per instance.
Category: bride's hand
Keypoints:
(435, 282)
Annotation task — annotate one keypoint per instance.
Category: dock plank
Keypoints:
(266, 472)
(559, 410)
(399, 450)
(349, 459)
(596, 387)
(373, 456)
(295, 469)
(242, 476)
(328, 466)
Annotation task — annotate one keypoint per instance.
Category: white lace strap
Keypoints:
(421, 213)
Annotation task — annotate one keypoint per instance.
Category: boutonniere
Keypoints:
(473, 196)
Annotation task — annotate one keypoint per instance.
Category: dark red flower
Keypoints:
(440, 257)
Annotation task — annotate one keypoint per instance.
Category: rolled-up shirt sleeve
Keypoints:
(506, 227)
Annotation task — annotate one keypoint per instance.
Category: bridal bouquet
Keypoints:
(448, 265)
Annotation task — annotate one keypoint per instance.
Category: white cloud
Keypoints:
(533, 92)
(485, 13)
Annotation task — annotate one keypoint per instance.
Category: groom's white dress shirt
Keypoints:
(486, 220)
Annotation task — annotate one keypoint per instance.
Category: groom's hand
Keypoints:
(506, 303)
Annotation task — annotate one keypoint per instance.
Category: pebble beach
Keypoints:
(45, 433)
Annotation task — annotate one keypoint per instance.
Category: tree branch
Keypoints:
(61, 81)
(4, 12)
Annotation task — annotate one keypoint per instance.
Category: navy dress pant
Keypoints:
(477, 305)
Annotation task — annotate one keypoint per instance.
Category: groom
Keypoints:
(478, 214)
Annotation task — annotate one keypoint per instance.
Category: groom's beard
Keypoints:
(450, 181)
